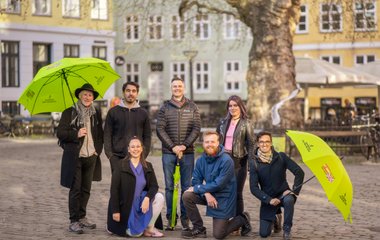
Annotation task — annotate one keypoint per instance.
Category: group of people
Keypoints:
(216, 180)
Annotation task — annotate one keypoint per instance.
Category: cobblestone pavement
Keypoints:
(34, 206)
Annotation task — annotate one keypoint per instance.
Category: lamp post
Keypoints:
(190, 54)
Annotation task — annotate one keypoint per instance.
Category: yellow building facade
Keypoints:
(344, 33)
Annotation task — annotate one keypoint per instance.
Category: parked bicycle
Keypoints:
(370, 142)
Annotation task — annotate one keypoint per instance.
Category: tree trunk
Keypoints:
(271, 73)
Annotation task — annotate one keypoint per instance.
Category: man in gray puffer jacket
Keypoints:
(178, 127)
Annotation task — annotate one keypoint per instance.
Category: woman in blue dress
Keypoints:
(135, 202)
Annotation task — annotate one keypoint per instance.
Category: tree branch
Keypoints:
(186, 5)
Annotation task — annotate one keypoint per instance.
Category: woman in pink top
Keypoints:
(237, 137)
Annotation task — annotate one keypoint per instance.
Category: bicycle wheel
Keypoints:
(365, 142)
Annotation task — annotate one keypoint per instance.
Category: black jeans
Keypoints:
(241, 175)
(81, 187)
(221, 227)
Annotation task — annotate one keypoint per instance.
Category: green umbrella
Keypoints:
(176, 178)
(53, 87)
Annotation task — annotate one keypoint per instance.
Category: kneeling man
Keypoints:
(214, 185)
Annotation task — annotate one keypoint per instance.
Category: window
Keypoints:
(202, 76)
(99, 9)
(178, 27)
(202, 26)
(303, 21)
(70, 50)
(71, 8)
(232, 73)
(231, 27)
(133, 72)
(331, 18)
(178, 69)
(10, 108)
(10, 6)
(99, 52)
(41, 56)
(10, 64)
(332, 59)
(365, 15)
(363, 59)
(132, 29)
(155, 28)
(41, 7)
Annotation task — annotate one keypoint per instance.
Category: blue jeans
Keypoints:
(288, 204)
(186, 164)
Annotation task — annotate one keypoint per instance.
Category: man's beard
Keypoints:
(211, 151)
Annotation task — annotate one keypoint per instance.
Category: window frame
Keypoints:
(203, 24)
(231, 25)
(37, 65)
(365, 59)
(156, 26)
(41, 13)
(365, 23)
(232, 71)
(306, 22)
(9, 8)
(67, 14)
(6, 62)
(330, 59)
(96, 12)
(132, 25)
(95, 51)
(330, 15)
(15, 106)
(180, 27)
(133, 74)
(202, 74)
(71, 47)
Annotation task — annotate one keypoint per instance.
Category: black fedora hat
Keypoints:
(87, 87)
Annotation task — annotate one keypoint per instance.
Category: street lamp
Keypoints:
(190, 54)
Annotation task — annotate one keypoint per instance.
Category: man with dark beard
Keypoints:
(124, 121)
(214, 185)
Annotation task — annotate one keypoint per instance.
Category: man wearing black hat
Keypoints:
(80, 134)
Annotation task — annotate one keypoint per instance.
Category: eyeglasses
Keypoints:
(265, 142)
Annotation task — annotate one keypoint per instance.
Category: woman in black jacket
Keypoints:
(135, 202)
(237, 137)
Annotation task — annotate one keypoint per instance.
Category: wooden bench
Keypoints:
(339, 140)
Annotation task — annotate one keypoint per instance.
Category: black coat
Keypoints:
(178, 125)
(71, 144)
(122, 192)
(268, 181)
(243, 139)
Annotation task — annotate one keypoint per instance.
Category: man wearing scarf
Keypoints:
(178, 127)
(268, 183)
(80, 133)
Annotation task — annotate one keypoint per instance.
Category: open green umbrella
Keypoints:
(176, 178)
(53, 87)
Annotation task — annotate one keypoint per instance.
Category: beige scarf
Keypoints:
(265, 157)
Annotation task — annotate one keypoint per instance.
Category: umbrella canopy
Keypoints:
(176, 178)
(53, 87)
(371, 68)
(315, 71)
(328, 169)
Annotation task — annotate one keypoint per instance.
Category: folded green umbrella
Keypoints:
(176, 178)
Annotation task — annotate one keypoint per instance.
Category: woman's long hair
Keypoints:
(243, 110)
(142, 155)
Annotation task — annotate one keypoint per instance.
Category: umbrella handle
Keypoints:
(292, 191)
